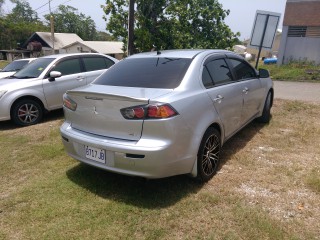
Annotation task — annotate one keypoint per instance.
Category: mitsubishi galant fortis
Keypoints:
(165, 113)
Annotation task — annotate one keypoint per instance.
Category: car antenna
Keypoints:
(156, 49)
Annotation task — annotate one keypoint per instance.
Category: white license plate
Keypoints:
(96, 154)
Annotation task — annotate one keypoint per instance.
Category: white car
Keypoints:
(14, 67)
(39, 87)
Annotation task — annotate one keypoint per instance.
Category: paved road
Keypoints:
(302, 91)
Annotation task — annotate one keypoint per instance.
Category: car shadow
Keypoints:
(151, 194)
(48, 117)
(143, 193)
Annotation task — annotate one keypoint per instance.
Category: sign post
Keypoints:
(264, 30)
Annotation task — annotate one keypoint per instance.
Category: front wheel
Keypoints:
(209, 155)
(26, 112)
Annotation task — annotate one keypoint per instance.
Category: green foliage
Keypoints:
(294, 71)
(22, 12)
(170, 24)
(17, 26)
(68, 20)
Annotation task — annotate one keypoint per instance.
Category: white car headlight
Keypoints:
(2, 92)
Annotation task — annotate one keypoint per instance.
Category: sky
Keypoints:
(240, 19)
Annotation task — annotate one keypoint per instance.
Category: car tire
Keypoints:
(208, 158)
(266, 113)
(26, 112)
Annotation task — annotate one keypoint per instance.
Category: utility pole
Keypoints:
(131, 27)
(52, 26)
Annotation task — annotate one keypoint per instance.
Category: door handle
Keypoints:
(245, 90)
(80, 78)
(218, 99)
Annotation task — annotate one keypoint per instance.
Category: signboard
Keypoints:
(264, 30)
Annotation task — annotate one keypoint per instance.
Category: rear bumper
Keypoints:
(145, 158)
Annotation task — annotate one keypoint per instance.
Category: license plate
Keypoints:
(95, 154)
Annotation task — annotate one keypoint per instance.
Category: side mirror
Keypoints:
(53, 75)
(263, 73)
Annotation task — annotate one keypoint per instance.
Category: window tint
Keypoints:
(219, 71)
(242, 69)
(146, 73)
(96, 63)
(206, 78)
(69, 66)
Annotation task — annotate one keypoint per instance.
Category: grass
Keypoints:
(3, 63)
(267, 188)
(294, 71)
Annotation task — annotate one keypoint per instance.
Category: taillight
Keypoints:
(149, 112)
(69, 103)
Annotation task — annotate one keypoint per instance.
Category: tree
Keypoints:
(68, 20)
(22, 12)
(170, 24)
(18, 25)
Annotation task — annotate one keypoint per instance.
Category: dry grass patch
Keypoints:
(267, 188)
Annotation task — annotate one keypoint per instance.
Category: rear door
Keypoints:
(72, 77)
(225, 93)
(95, 66)
(252, 90)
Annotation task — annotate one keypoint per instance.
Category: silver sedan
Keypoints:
(165, 113)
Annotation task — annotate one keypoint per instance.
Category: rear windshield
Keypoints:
(146, 73)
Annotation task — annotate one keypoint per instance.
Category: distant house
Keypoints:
(301, 32)
(44, 38)
(41, 43)
(110, 48)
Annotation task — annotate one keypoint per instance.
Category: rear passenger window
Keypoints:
(219, 71)
(69, 66)
(206, 79)
(242, 69)
(96, 63)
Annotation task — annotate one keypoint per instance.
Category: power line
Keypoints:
(55, 6)
(43, 5)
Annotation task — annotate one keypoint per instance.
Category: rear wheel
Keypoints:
(266, 114)
(209, 155)
(26, 112)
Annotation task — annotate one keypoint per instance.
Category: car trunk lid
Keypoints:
(98, 110)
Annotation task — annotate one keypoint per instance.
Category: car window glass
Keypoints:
(67, 67)
(95, 63)
(15, 66)
(146, 73)
(242, 69)
(219, 71)
(109, 62)
(206, 78)
(35, 68)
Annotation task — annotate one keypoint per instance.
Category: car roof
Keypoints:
(71, 54)
(24, 59)
(181, 53)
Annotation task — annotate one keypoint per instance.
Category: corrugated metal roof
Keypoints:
(104, 47)
(60, 39)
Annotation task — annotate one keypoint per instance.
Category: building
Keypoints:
(40, 43)
(301, 32)
(47, 45)
(113, 49)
